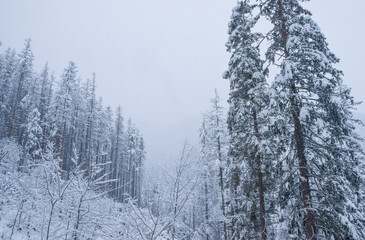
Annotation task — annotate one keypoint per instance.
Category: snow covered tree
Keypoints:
(90, 118)
(64, 103)
(34, 136)
(250, 154)
(320, 196)
(139, 170)
(132, 165)
(117, 158)
(105, 136)
(44, 103)
(22, 80)
(180, 183)
(207, 188)
(213, 156)
(9, 64)
(100, 136)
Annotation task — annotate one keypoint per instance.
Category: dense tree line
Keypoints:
(38, 110)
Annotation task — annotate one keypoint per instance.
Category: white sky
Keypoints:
(160, 59)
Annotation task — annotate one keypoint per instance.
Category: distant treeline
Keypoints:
(39, 111)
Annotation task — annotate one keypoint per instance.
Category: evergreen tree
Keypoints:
(206, 189)
(250, 155)
(86, 124)
(45, 90)
(44, 103)
(22, 80)
(213, 141)
(9, 64)
(99, 136)
(141, 156)
(106, 130)
(320, 196)
(64, 104)
(117, 159)
(34, 136)
(133, 160)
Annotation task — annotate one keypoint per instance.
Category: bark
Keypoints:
(235, 181)
(78, 219)
(50, 219)
(62, 152)
(194, 217)
(260, 182)
(206, 206)
(310, 228)
(221, 185)
(115, 167)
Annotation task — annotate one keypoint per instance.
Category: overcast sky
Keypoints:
(160, 59)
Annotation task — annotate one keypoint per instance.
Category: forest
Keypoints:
(284, 161)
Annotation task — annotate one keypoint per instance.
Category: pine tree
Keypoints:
(89, 118)
(250, 154)
(117, 159)
(22, 81)
(213, 153)
(132, 160)
(320, 196)
(141, 156)
(9, 64)
(63, 107)
(34, 136)
(106, 132)
(46, 82)
(206, 172)
(45, 90)
(99, 135)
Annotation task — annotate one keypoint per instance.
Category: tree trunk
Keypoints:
(221, 185)
(260, 182)
(50, 220)
(78, 218)
(235, 181)
(310, 228)
(62, 152)
(206, 206)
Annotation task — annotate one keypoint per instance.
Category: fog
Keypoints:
(160, 60)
